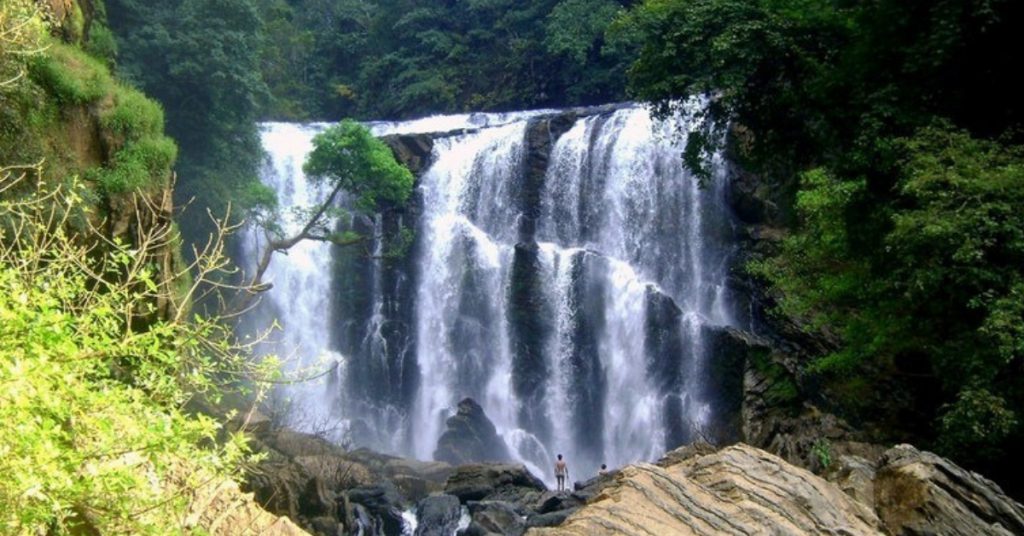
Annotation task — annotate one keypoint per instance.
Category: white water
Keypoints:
(300, 299)
(620, 222)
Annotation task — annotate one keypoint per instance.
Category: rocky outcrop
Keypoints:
(695, 489)
(412, 150)
(438, 515)
(494, 517)
(918, 492)
(470, 437)
(760, 391)
(738, 490)
(328, 490)
(497, 481)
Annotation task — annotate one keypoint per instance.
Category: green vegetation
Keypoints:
(92, 430)
(133, 116)
(346, 155)
(71, 75)
(399, 58)
(200, 60)
(99, 353)
(896, 126)
(135, 165)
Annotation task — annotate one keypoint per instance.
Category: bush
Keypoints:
(133, 115)
(137, 165)
(93, 438)
(71, 75)
(101, 44)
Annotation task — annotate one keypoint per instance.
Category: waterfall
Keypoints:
(562, 276)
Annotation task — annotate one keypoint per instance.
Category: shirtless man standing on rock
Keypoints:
(561, 472)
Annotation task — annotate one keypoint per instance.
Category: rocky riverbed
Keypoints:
(698, 489)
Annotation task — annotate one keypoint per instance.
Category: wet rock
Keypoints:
(919, 492)
(550, 519)
(470, 437)
(383, 506)
(752, 198)
(477, 482)
(438, 515)
(541, 135)
(738, 490)
(494, 517)
(412, 150)
(326, 526)
(551, 501)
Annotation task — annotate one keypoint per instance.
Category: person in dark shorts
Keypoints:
(561, 472)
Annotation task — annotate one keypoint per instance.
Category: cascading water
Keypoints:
(561, 276)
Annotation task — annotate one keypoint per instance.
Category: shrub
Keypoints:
(137, 165)
(133, 115)
(93, 437)
(101, 44)
(71, 75)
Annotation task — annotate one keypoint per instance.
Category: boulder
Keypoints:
(550, 519)
(494, 517)
(412, 150)
(438, 515)
(470, 437)
(552, 501)
(738, 490)
(415, 479)
(383, 507)
(918, 492)
(856, 477)
(477, 482)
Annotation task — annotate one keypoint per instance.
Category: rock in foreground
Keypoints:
(739, 490)
(918, 492)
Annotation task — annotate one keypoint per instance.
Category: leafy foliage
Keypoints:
(347, 156)
(897, 122)
(92, 430)
(398, 58)
(200, 60)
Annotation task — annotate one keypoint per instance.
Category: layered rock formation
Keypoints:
(738, 490)
(744, 490)
(918, 492)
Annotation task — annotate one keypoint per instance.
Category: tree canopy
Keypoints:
(348, 156)
(891, 128)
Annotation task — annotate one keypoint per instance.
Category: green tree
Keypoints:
(346, 158)
(890, 128)
(200, 60)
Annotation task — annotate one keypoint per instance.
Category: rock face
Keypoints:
(438, 515)
(918, 492)
(470, 437)
(412, 150)
(478, 482)
(738, 490)
(329, 491)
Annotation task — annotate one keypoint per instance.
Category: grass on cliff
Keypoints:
(57, 81)
(71, 75)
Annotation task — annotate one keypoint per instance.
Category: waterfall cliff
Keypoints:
(561, 268)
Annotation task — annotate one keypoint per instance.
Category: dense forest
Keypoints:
(892, 128)
(888, 135)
